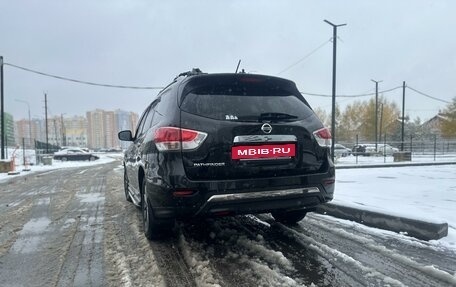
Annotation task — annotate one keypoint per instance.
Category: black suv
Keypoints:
(227, 144)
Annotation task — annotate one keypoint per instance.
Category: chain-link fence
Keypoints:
(436, 149)
(25, 154)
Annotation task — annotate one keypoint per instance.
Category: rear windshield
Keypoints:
(245, 103)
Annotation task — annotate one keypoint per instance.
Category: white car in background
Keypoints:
(382, 149)
(341, 151)
(386, 149)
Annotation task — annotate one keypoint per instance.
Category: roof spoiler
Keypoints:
(193, 72)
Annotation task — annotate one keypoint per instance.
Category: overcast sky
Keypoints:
(147, 43)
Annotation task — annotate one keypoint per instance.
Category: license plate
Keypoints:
(269, 151)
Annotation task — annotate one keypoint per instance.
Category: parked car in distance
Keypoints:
(75, 148)
(386, 149)
(370, 149)
(227, 144)
(341, 151)
(359, 149)
(74, 154)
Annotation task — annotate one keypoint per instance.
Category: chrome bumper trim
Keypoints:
(264, 138)
(258, 195)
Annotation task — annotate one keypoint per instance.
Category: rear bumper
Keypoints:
(230, 197)
(253, 201)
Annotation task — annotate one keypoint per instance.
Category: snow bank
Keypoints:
(57, 164)
(424, 193)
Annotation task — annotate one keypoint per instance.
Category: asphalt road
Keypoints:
(72, 227)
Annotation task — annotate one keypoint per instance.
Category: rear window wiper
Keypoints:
(267, 117)
(276, 116)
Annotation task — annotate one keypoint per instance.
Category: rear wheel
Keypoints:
(289, 217)
(127, 194)
(153, 228)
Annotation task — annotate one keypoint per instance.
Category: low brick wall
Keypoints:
(5, 166)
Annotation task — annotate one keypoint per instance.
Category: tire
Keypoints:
(289, 217)
(153, 228)
(127, 194)
(92, 158)
(64, 159)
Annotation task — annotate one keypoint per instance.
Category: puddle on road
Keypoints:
(68, 223)
(345, 181)
(387, 177)
(44, 201)
(16, 203)
(30, 237)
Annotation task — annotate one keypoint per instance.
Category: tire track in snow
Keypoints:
(420, 251)
(311, 266)
(130, 257)
(225, 253)
(415, 269)
(83, 262)
(377, 257)
(370, 274)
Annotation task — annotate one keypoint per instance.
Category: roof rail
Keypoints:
(193, 72)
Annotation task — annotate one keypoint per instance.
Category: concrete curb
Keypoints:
(393, 165)
(419, 229)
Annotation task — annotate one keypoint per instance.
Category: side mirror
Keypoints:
(125, 136)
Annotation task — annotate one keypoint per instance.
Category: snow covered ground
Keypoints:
(427, 193)
(56, 164)
(420, 192)
(416, 158)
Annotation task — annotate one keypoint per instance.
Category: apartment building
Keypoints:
(75, 130)
(9, 133)
(97, 130)
(103, 126)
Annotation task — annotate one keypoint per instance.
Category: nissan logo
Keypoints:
(266, 128)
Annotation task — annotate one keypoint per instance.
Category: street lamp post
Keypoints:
(63, 130)
(376, 113)
(2, 112)
(403, 115)
(333, 110)
(29, 119)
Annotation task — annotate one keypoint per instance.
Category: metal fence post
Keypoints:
(411, 144)
(356, 149)
(435, 145)
(23, 150)
(384, 149)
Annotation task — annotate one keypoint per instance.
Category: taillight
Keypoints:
(171, 138)
(323, 137)
(183, 193)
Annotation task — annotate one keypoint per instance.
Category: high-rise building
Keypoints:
(23, 133)
(103, 126)
(123, 122)
(134, 118)
(55, 131)
(96, 129)
(39, 129)
(75, 131)
(110, 129)
(10, 139)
